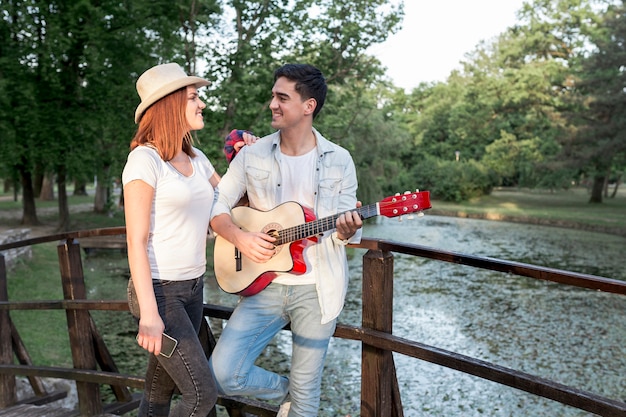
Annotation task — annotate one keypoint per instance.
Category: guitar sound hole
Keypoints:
(273, 229)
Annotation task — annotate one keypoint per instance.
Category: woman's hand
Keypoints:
(236, 140)
(150, 334)
(248, 139)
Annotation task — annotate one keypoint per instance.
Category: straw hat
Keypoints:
(159, 81)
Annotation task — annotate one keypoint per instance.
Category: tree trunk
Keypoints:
(47, 189)
(29, 210)
(120, 203)
(618, 181)
(64, 211)
(102, 191)
(80, 187)
(597, 188)
(12, 184)
(607, 179)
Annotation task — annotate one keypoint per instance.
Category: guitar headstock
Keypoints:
(406, 203)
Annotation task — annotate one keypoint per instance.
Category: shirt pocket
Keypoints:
(258, 180)
(330, 189)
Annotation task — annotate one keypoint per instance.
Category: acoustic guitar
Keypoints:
(294, 228)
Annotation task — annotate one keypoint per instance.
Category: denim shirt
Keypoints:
(256, 171)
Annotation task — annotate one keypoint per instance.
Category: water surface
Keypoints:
(568, 335)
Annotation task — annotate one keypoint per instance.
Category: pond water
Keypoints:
(568, 335)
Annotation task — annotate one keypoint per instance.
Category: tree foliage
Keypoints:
(540, 105)
(68, 69)
(599, 104)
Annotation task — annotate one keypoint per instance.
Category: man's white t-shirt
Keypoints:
(298, 184)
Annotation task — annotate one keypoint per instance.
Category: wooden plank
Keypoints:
(106, 362)
(78, 324)
(44, 398)
(29, 410)
(91, 244)
(377, 366)
(24, 359)
(242, 405)
(8, 391)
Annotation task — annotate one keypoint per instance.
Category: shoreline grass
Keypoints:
(563, 208)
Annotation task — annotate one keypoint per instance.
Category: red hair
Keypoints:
(164, 126)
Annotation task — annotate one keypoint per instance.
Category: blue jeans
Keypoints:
(180, 307)
(255, 321)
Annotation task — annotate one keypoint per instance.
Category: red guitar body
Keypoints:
(296, 250)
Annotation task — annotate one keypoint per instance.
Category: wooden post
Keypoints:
(8, 392)
(79, 325)
(377, 367)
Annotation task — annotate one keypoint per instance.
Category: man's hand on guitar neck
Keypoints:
(348, 223)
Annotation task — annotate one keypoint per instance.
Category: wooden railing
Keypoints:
(380, 394)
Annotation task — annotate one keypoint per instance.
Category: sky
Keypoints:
(436, 35)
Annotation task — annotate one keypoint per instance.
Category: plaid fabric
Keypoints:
(233, 137)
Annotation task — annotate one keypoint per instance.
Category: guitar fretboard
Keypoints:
(315, 227)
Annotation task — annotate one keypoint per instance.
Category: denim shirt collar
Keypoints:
(323, 145)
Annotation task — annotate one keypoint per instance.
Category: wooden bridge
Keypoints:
(94, 366)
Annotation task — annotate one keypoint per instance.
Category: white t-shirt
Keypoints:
(181, 210)
(298, 184)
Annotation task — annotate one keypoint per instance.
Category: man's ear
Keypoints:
(309, 106)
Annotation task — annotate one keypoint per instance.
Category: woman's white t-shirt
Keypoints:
(181, 210)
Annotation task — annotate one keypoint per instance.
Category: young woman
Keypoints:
(168, 195)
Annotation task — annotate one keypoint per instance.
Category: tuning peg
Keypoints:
(420, 214)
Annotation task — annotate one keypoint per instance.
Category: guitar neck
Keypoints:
(315, 227)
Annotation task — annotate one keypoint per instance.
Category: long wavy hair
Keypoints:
(164, 126)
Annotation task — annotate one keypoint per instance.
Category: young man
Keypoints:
(296, 163)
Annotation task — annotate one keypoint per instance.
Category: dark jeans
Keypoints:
(180, 307)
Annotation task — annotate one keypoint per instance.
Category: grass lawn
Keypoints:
(47, 214)
(567, 208)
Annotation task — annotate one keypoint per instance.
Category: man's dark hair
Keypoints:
(310, 82)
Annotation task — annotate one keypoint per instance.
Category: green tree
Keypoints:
(599, 95)
(68, 68)
(71, 66)
(241, 56)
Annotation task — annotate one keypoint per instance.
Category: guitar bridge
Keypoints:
(237, 260)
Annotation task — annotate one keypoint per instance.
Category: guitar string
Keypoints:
(314, 227)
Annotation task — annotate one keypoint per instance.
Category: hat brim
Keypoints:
(167, 89)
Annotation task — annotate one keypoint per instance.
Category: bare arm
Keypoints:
(138, 198)
(215, 179)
